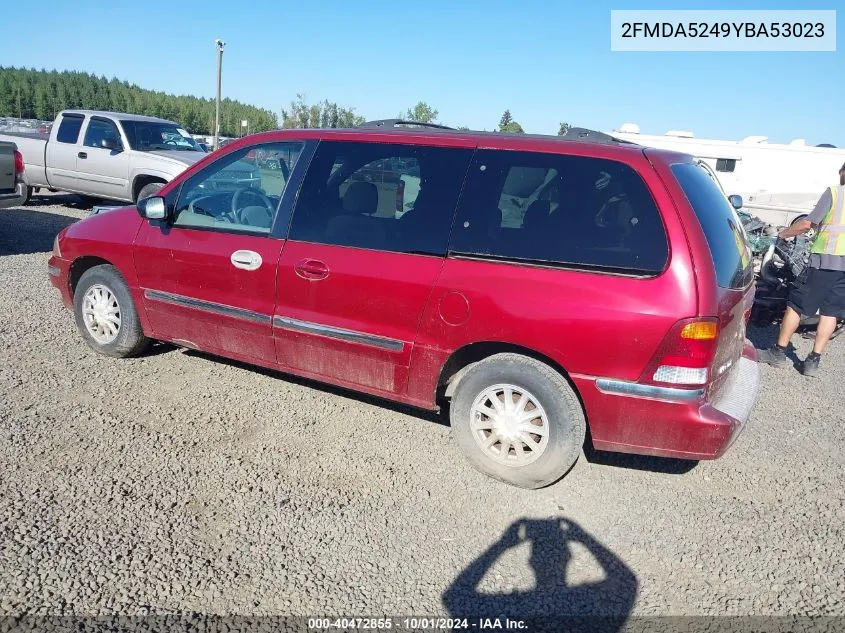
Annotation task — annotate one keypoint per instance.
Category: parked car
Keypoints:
(618, 302)
(107, 155)
(12, 187)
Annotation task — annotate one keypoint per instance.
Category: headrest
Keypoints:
(361, 197)
(537, 211)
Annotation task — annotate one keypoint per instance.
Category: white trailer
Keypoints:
(778, 182)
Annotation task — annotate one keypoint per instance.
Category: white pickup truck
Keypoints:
(106, 155)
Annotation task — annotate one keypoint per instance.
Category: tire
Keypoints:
(148, 191)
(129, 339)
(28, 197)
(564, 420)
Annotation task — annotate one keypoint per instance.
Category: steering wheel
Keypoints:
(236, 209)
(170, 142)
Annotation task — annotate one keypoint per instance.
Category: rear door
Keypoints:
(209, 278)
(354, 277)
(62, 150)
(100, 171)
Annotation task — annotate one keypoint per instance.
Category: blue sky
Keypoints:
(546, 61)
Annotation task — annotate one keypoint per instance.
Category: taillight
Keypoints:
(400, 195)
(18, 164)
(685, 355)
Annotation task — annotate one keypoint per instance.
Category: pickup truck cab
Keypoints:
(108, 155)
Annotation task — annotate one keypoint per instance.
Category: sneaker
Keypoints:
(810, 366)
(774, 356)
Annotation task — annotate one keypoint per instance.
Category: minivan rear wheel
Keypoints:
(518, 420)
(105, 313)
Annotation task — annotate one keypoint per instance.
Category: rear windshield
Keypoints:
(721, 225)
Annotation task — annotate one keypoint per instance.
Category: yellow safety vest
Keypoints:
(830, 239)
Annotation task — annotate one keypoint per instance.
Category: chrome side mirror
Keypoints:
(736, 201)
(153, 208)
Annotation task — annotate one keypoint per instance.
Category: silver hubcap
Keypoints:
(510, 425)
(101, 313)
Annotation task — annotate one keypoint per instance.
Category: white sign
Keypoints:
(244, 123)
(723, 30)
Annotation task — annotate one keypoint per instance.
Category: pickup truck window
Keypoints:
(98, 130)
(69, 128)
(148, 136)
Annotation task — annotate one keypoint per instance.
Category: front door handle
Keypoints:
(311, 269)
(246, 260)
(82, 155)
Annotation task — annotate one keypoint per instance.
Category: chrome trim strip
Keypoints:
(54, 271)
(333, 332)
(624, 388)
(207, 306)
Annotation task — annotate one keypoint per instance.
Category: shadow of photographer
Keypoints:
(556, 602)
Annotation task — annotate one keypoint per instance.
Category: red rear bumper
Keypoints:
(663, 423)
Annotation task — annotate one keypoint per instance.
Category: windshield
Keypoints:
(147, 136)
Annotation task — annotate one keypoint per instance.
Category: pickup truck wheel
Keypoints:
(148, 191)
(518, 420)
(29, 192)
(105, 313)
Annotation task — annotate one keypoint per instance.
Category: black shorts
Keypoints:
(821, 291)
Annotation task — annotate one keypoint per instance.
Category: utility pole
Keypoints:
(220, 44)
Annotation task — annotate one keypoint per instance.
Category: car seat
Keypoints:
(354, 225)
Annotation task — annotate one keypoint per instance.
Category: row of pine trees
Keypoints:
(34, 94)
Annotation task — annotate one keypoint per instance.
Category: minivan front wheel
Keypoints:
(518, 420)
(105, 313)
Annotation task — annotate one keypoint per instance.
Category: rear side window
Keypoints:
(69, 129)
(721, 225)
(570, 211)
(380, 196)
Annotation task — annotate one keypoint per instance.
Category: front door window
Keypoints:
(238, 193)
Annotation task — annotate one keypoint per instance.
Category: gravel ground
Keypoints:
(178, 482)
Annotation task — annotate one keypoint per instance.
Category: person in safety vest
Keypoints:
(821, 286)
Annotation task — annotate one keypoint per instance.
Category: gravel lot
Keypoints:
(178, 482)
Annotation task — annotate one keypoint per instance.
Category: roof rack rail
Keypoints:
(392, 123)
(584, 134)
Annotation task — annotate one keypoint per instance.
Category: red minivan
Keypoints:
(542, 286)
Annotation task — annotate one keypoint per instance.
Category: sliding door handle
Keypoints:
(312, 269)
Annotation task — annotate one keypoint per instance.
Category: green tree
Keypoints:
(43, 109)
(506, 120)
(508, 125)
(31, 93)
(421, 113)
(564, 128)
(326, 114)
